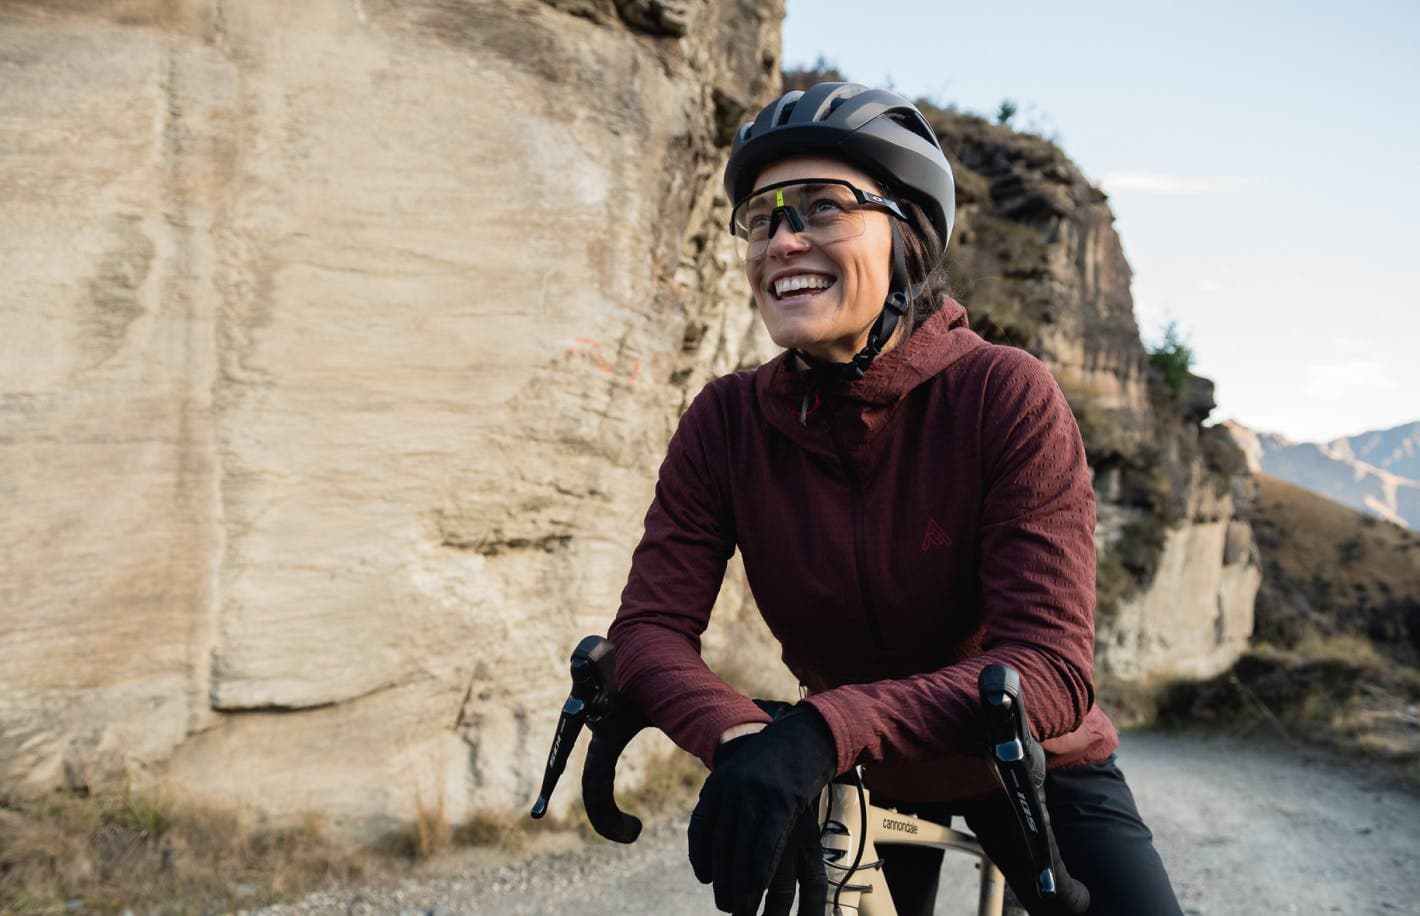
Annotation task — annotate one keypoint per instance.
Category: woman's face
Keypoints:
(829, 324)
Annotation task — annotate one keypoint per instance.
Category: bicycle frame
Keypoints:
(852, 830)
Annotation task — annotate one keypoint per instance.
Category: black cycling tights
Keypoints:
(1102, 839)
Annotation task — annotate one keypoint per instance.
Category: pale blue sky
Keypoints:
(1260, 159)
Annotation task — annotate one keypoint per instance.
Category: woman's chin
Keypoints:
(795, 328)
(814, 346)
(796, 339)
(804, 333)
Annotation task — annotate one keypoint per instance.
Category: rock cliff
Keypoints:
(341, 342)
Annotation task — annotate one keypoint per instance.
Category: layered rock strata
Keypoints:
(341, 344)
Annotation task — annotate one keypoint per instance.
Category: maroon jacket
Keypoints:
(931, 518)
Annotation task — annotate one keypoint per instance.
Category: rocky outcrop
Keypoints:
(341, 343)
(1194, 616)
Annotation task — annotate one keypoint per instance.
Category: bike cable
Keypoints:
(862, 835)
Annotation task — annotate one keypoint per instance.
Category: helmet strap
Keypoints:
(894, 307)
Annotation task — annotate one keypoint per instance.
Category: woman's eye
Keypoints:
(824, 205)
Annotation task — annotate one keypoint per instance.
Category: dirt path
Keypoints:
(1245, 829)
(1250, 829)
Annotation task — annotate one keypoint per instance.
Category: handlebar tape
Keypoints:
(610, 735)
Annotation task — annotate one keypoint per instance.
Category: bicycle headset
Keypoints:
(876, 130)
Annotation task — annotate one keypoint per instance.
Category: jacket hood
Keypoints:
(941, 340)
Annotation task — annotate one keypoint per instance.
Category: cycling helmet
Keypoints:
(879, 131)
(876, 130)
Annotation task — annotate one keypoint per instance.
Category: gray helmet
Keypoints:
(876, 130)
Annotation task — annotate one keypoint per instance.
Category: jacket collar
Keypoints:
(940, 341)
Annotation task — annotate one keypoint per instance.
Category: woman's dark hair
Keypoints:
(920, 245)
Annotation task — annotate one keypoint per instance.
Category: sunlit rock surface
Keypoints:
(341, 344)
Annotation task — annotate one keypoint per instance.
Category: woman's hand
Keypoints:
(753, 801)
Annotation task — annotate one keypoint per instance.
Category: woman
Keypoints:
(911, 504)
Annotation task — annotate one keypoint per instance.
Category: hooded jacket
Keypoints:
(925, 521)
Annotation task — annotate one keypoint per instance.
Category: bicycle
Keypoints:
(851, 826)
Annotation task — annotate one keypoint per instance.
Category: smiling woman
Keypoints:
(911, 503)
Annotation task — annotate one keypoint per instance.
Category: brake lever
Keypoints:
(593, 688)
(1018, 761)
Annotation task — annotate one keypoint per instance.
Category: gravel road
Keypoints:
(1245, 829)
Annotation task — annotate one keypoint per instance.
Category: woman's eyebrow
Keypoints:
(763, 203)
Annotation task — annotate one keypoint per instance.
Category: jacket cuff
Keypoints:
(846, 752)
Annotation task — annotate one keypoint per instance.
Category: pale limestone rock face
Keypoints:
(1196, 617)
(341, 344)
(107, 366)
(1092, 345)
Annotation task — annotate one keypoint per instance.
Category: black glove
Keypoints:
(800, 866)
(761, 794)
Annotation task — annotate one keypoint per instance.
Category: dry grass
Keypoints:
(507, 831)
(432, 832)
(1130, 704)
(123, 849)
(1331, 572)
(1340, 693)
(150, 853)
(1347, 648)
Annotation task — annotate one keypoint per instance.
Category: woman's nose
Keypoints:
(785, 240)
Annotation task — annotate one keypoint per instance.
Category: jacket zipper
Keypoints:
(860, 546)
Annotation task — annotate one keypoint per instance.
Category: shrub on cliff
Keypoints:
(1172, 357)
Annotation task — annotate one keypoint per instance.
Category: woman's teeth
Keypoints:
(796, 284)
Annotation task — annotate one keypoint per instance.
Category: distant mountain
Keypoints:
(1396, 450)
(1376, 472)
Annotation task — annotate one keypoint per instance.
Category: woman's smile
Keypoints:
(799, 286)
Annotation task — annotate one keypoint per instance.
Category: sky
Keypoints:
(1260, 159)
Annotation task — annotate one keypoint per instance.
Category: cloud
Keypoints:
(1164, 183)
(1348, 379)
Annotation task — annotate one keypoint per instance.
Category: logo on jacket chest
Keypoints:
(935, 537)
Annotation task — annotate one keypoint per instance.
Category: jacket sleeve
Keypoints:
(1037, 578)
(676, 572)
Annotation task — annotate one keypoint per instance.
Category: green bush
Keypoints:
(1172, 357)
